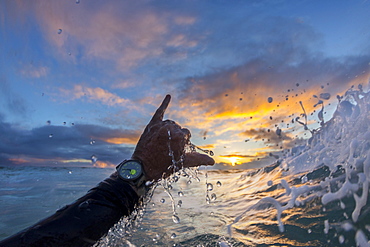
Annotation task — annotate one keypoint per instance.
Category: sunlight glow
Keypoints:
(233, 160)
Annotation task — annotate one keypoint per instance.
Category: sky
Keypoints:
(79, 80)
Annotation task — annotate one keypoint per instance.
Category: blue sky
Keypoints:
(97, 70)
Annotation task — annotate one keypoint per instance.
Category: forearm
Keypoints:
(83, 222)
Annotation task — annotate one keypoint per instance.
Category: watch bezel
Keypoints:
(136, 177)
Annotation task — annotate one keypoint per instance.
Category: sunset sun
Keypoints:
(233, 160)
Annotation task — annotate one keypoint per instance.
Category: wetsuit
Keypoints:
(83, 222)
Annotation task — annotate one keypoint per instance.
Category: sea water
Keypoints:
(317, 195)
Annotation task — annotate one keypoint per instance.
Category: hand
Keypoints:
(161, 147)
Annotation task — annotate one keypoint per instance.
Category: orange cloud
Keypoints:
(96, 94)
(121, 140)
(208, 146)
(18, 161)
(101, 164)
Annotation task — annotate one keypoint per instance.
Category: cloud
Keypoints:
(126, 33)
(282, 62)
(267, 135)
(185, 20)
(32, 71)
(241, 155)
(95, 94)
(63, 145)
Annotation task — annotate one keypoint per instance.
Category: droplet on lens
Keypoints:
(209, 187)
(94, 158)
(208, 200)
(213, 197)
(269, 99)
(175, 219)
(60, 31)
(218, 184)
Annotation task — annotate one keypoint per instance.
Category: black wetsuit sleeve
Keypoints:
(83, 222)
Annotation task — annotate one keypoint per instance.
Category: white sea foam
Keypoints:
(342, 143)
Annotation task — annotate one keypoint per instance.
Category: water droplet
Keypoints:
(179, 203)
(77, 1)
(208, 200)
(269, 99)
(170, 187)
(173, 235)
(189, 182)
(213, 197)
(70, 172)
(211, 153)
(325, 96)
(60, 31)
(51, 135)
(278, 132)
(269, 183)
(94, 158)
(84, 205)
(209, 187)
(175, 219)
(218, 184)
(180, 193)
(341, 239)
(162, 200)
(309, 231)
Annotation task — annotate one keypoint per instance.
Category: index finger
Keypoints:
(158, 115)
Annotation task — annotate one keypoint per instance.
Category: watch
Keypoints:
(132, 171)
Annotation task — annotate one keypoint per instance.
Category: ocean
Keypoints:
(315, 195)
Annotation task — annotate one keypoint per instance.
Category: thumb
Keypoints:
(197, 159)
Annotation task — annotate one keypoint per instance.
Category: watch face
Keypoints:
(130, 170)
